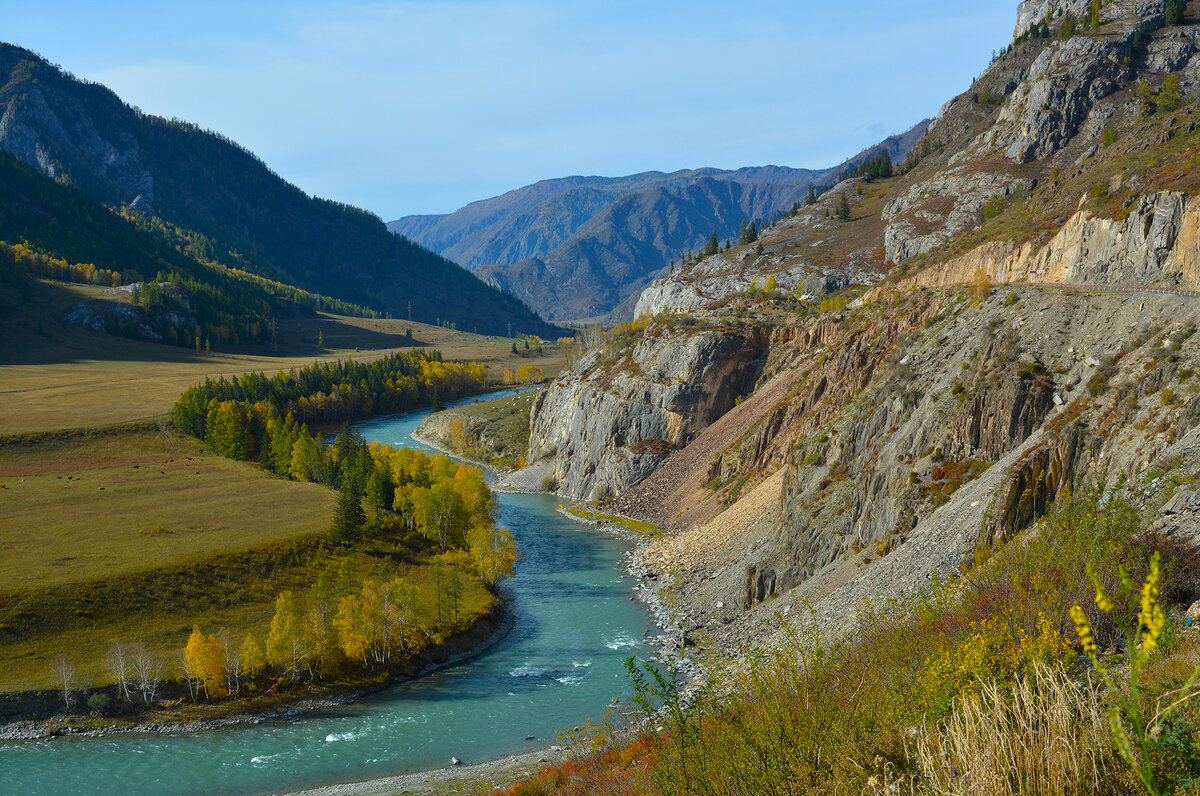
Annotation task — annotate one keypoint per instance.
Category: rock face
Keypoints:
(1158, 244)
(1032, 12)
(33, 131)
(1051, 103)
(717, 277)
(608, 425)
(915, 226)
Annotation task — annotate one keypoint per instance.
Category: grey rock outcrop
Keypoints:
(609, 426)
(1047, 109)
(1032, 12)
(916, 225)
(30, 129)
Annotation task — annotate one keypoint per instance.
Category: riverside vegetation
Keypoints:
(280, 611)
(970, 686)
(423, 509)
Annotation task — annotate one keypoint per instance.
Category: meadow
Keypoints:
(113, 526)
(54, 376)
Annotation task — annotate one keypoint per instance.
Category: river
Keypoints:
(575, 623)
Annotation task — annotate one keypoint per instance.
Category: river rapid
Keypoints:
(574, 624)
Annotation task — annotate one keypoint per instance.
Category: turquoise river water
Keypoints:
(575, 623)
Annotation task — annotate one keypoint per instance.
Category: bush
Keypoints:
(98, 702)
(549, 483)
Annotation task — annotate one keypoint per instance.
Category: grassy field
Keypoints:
(93, 507)
(54, 376)
(137, 535)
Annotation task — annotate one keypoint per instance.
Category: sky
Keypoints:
(421, 106)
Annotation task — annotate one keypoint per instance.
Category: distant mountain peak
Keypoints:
(580, 247)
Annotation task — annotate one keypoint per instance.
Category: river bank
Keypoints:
(666, 647)
(493, 626)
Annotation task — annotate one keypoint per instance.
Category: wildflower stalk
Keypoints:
(1151, 622)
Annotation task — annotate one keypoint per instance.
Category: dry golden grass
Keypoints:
(87, 508)
(1047, 734)
(69, 377)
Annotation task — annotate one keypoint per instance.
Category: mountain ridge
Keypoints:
(587, 232)
(84, 135)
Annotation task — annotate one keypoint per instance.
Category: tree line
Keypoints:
(348, 623)
(235, 416)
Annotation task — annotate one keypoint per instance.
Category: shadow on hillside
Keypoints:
(34, 331)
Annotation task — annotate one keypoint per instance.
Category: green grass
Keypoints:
(636, 526)
(87, 508)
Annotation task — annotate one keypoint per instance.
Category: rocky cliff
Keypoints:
(1017, 321)
(625, 407)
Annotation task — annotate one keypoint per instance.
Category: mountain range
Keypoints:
(230, 205)
(581, 247)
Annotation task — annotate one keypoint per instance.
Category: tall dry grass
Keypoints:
(1045, 734)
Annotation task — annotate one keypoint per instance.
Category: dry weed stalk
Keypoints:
(1046, 734)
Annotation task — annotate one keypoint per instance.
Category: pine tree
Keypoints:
(1170, 96)
(348, 515)
(712, 247)
(381, 490)
(226, 431)
(1174, 12)
(843, 210)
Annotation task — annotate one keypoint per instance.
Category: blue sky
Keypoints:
(421, 106)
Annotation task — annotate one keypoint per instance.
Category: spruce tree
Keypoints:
(348, 516)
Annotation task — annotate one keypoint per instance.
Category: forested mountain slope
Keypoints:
(84, 136)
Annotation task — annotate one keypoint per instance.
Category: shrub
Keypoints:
(992, 208)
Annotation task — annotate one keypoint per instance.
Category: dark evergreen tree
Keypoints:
(348, 516)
